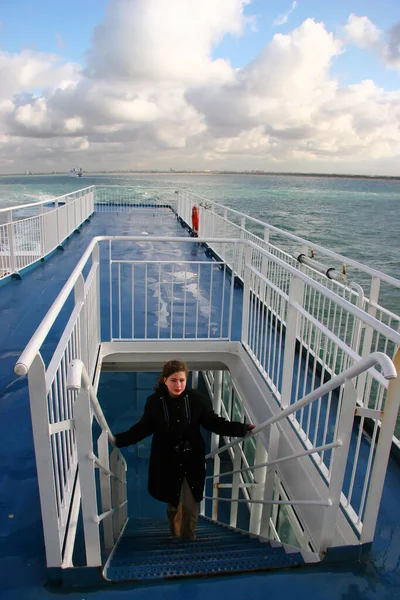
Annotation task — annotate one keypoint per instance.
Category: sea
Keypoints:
(356, 217)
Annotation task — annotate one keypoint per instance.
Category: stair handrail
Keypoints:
(77, 378)
(340, 446)
(388, 370)
(78, 381)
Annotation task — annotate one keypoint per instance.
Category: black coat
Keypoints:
(174, 426)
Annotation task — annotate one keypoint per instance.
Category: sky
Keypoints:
(274, 85)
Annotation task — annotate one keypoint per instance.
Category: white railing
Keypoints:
(189, 299)
(217, 220)
(264, 473)
(52, 404)
(112, 198)
(26, 239)
(111, 469)
(190, 308)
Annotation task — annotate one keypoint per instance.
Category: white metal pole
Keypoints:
(258, 490)
(79, 296)
(44, 461)
(195, 380)
(246, 296)
(369, 331)
(388, 425)
(296, 294)
(105, 490)
(241, 249)
(42, 229)
(11, 243)
(217, 401)
(235, 486)
(338, 463)
(116, 495)
(96, 261)
(268, 495)
(83, 428)
(264, 263)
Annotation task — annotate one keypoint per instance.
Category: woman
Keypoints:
(177, 472)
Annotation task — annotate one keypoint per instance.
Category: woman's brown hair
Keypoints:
(169, 368)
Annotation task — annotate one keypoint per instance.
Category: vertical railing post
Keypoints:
(74, 202)
(217, 402)
(264, 263)
(296, 295)
(195, 380)
(115, 491)
(338, 463)
(42, 230)
(79, 296)
(105, 491)
(389, 420)
(237, 458)
(44, 461)
(11, 243)
(224, 229)
(83, 428)
(357, 323)
(369, 332)
(268, 495)
(258, 490)
(57, 209)
(96, 260)
(240, 269)
(246, 295)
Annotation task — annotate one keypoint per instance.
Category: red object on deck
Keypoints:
(195, 219)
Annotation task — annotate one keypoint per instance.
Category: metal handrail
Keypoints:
(87, 405)
(42, 202)
(389, 372)
(296, 238)
(77, 378)
(269, 463)
(26, 358)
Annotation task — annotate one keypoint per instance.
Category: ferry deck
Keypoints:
(137, 331)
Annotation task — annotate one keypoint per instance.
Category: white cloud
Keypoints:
(282, 19)
(30, 70)
(361, 32)
(164, 40)
(154, 101)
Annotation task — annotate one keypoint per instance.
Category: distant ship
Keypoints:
(74, 172)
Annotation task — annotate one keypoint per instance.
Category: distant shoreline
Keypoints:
(174, 172)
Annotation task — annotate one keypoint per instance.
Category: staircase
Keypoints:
(147, 551)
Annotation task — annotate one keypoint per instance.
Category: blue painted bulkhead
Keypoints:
(22, 562)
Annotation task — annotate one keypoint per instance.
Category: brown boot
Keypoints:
(174, 514)
(189, 513)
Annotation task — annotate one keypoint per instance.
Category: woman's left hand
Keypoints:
(250, 428)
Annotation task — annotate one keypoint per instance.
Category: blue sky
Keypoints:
(66, 29)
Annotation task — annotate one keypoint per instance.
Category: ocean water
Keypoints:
(359, 218)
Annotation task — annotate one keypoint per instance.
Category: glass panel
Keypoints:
(284, 527)
(249, 449)
(236, 409)
(226, 390)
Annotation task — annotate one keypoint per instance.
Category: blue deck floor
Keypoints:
(22, 563)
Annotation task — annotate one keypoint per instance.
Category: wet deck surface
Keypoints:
(23, 304)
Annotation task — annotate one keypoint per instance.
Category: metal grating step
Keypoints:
(147, 551)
